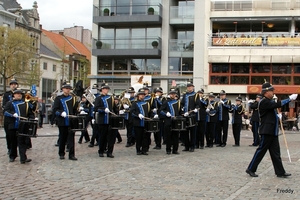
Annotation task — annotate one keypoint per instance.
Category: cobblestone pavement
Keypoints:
(214, 173)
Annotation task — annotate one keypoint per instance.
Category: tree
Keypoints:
(16, 50)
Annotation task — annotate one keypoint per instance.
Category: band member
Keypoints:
(211, 120)
(118, 105)
(105, 105)
(15, 110)
(170, 109)
(224, 108)
(126, 105)
(41, 111)
(190, 107)
(255, 119)
(64, 106)
(139, 110)
(237, 114)
(149, 98)
(8, 96)
(95, 135)
(158, 102)
(268, 130)
(85, 109)
(201, 119)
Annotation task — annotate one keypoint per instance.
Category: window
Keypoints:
(220, 68)
(181, 65)
(45, 66)
(54, 68)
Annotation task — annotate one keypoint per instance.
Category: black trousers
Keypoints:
(130, 132)
(236, 129)
(142, 139)
(22, 147)
(256, 139)
(66, 136)
(7, 137)
(189, 138)
(95, 135)
(107, 138)
(201, 129)
(85, 133)
(171, 138)
(158, 135)
(210, 133)
(41, 118)
(271, 143)
(15, 142)
(222, 132)
(118, 135)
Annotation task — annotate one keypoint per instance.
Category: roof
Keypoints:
(68, 45)
(8, 4)
(45, 51)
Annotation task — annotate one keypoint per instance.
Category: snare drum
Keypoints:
(152, 125)
(77, 123)
(190, 121)
(178, 124)
(117, 122)
(28, 128)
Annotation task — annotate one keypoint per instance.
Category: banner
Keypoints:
(237, 41)
(283, 41)
(279, 89)
(137, 81)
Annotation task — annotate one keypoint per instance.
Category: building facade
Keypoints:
(230, 45)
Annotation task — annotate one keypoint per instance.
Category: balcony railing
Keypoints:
(181, 45)
(127, 10)
(254, 5)
(187, 12)
(128, 43)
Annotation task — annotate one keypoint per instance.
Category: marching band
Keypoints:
(195, 120)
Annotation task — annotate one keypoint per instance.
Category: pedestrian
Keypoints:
(237, 112)
(268, 129)
(41, 111)
(255, 119)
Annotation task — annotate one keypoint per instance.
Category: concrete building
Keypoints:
(233, 45)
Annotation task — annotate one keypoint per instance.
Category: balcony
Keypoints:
(254, 5)
(182, 15)
(136, 15)
(134, 47)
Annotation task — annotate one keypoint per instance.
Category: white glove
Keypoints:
(195, 110)
(222, 102)
(186, 114)
(125, 106)
(279, 115)
(251, 101)
(121, 112)
(16, 115)
(207, 110)
(93, 121)
(155, 116)
(83, 113)
(106, 110)
(157, 96)
(64, 114)
(81, 108)
(141, 116)
(168, 114)
(36, 118)
(293, 97)
(155, 110)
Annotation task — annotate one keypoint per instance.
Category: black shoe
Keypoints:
(67, 150)
(145, 153)
(207, 146)
(223, 145)
(11, 159)
(110, 155)
(91, 145)
(101, 155)
(56, 145)
(252, 145)
(79, 142)
(168, 152)
(192, 150)
(201, 147)
(139, 153)
(219, 145)
(235, 145)
(119, 141)
(157, 147)
(96, 144)
(285, 175)
(25, 161)
(210, 146)
(61, 157)
(182, 144)
(127, 145)
(185, 150)
(175, 152)
(87, 141)
(73, 158)
(252, 174)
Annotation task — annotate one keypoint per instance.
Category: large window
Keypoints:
(48, 87)
(181, 66)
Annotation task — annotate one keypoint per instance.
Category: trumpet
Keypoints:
(29, 97)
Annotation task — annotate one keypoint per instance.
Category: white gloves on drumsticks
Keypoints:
(121, 112)
(106, 110)
(64, 114)
(125, 106)
(15, 115)
(168, 114)
(186, 114)
(141, 116)
(293, 97)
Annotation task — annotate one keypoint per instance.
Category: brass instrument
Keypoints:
(124, 100)
(55, 94)
(90, 97)
(29, 97)
(211, 107)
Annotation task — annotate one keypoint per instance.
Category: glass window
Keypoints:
(220, 68)
(153, 32)
(120, 64)
(104, 65)
(138, 36)
(219, 79)
(261, 68)
(239, 68)
(239, 80)
(107, 36)
(187, 65)
(123, 7)
(153, 65)
(174, 64)
(281, 68)
(139, 7)
(45, 66)
(259, 80)
(297, 80)
(137, 64)
(122, 38)
(54, 68)
(281, 80)
(297, 69)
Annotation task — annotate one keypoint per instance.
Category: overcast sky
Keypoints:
(60, 14)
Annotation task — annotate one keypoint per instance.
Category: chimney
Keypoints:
(61, 33)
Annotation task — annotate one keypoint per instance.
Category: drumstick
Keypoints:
(71, 116)
(22, 117)
(113, 113)
(148, 118)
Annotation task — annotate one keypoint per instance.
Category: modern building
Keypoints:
(233, 45)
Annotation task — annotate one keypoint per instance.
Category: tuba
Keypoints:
(90, 97)
(124, 100)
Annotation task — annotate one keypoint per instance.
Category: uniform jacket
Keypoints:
(66, 104)
(190, 101)
(212, 114)
(224, 110)
(88, 108)
(237, 114)
(127, 114)
(201, 115)
(102, 102)
(267, 109)
(21, 108)
(173, 107)
(7, 96)
(254, 107)
(140, 107)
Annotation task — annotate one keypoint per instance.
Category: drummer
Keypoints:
(14, 110)
(170, 109)
(140, 110)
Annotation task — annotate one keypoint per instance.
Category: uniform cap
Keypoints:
(130, 90)
(18, 91)
(67, 85)
(159, 89)
(141, 91)
(172, 91)
(259, 96)
(222, 92)
(190, 84)
(267, 87)
(104, 86)
(200, 91)
(238, 98)
(211, 94)
(13, 81)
